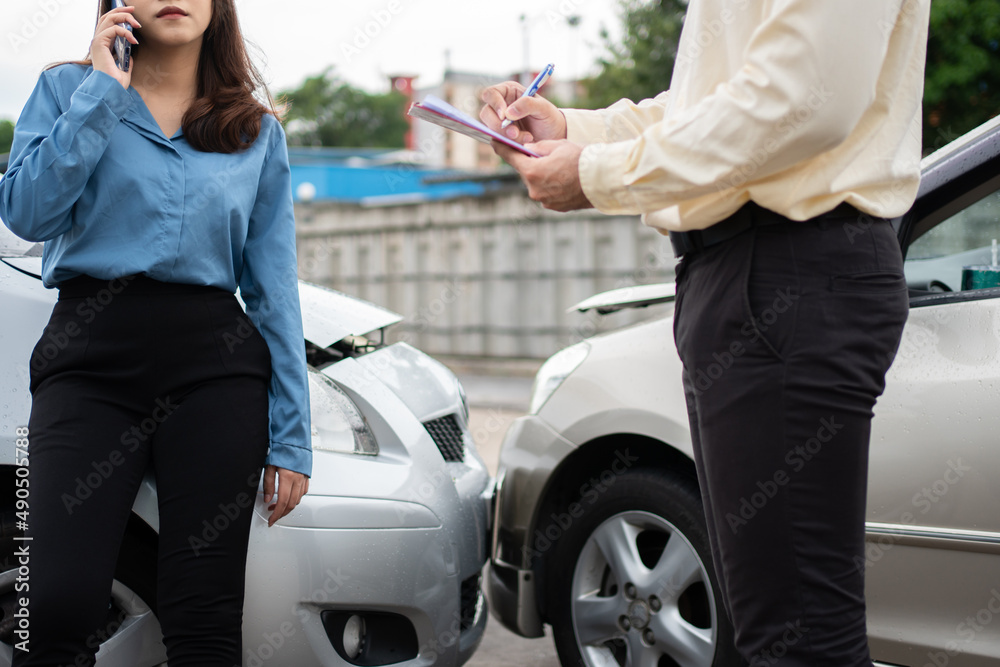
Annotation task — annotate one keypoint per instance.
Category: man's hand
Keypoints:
(553, 179)
(535, 118)
(291, 487)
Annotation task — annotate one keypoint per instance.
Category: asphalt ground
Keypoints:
(495, 403)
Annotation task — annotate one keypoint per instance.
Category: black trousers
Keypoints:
(131, 373)
(786, 332)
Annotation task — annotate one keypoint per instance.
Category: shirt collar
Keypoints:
(141, 119)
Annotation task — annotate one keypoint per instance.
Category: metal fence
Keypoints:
(481, 277)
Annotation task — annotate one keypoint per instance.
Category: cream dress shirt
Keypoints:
(798, 105)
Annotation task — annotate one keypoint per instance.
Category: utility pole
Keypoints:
(526, 71)
(574, 25)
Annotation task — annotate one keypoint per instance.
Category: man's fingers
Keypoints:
(493, 113)
(497, 98)
(509, 90)
(511, 156)
(544, 147)
(529, 106)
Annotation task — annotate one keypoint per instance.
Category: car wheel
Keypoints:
(631, 581)
(130, 635)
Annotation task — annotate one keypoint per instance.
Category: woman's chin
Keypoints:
(172, 39)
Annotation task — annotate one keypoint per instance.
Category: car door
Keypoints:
(933, 532)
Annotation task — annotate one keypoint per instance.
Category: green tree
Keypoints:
(325, 111)
(6, 135)
(640, 65)
(962, 84)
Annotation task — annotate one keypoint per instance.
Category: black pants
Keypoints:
(786, 332)
(130, 373)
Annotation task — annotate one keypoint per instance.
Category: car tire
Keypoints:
(631, 582)
(130, 635)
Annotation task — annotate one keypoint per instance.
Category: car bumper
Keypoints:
(529, 453)
(512, 599)
(298, 579)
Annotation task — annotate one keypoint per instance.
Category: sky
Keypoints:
(365, 40)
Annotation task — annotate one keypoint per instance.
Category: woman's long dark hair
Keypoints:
(225, 116)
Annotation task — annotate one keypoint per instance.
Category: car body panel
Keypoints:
(933, 491)
(936, 436)
(598, 398)
(418, 380)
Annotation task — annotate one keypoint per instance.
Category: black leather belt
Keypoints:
(749, 215)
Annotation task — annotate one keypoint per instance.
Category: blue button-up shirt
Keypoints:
(93, 176)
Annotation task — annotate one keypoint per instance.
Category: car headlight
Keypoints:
(554, 371)
(337, 424)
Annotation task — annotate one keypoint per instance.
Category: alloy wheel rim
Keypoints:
(640, 593)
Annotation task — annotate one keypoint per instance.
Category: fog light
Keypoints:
(354, 636)
(370, 638)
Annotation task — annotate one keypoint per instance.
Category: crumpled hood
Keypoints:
(329, 316)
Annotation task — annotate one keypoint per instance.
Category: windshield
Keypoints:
(14, 246)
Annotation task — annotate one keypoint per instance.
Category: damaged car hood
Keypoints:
(329, 316)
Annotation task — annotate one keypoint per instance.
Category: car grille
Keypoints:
(447, 434)
(471, 601)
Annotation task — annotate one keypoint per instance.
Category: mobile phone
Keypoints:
(122, 47)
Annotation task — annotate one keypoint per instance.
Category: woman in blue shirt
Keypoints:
(158, 191)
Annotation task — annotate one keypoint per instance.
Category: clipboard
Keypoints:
(439, 112)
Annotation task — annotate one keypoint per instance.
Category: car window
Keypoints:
(957, 253)
(972, 228)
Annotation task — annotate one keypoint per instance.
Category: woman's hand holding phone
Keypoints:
(102, 48)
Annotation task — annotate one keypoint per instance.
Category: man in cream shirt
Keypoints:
(790, 132)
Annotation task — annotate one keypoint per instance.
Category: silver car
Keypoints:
(380, 563)
(599, 529)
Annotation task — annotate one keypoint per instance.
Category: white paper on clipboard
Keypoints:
(439, 112)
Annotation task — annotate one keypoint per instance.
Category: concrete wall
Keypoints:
(482, 277)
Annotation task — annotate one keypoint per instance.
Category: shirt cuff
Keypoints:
(105, 88)
(290, 457)
(602, 176)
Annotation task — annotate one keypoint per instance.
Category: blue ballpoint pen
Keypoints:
(539, 81)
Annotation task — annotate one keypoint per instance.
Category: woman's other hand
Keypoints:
(291, 487)
(101, 50)
(534, 118)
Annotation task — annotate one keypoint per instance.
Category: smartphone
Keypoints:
(122, 47)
